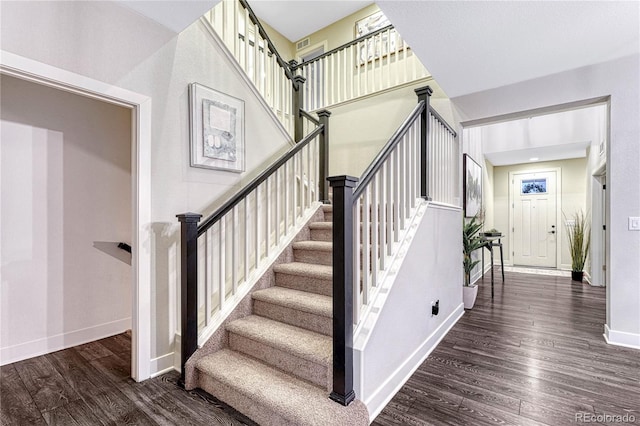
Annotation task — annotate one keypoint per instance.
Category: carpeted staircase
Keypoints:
(277, 367)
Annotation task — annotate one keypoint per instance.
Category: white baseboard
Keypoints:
(58, 342)
(621, 338)
(381, 397)
(161, 365)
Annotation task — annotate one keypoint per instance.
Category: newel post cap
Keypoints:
(422, 91)
(189, 217)
(344, 180)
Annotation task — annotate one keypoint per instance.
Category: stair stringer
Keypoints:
(397, 331)
(232, 60)
(219, 339)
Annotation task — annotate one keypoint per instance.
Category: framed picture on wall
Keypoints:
(380, 45)
(216, 130)
(472, 186)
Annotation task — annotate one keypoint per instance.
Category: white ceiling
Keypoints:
(470, 46)
(548, 137)
(296, 19)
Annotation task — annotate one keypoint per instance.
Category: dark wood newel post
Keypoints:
(424, 94)
(298, 102)
(324, 115)
(343, 288)
(188, 287)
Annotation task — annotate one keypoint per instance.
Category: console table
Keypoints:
(492, 241)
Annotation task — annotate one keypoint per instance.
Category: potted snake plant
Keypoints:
(471, 241)
(579, 236)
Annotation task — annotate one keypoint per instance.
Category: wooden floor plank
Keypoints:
(16, 405)
(45, 384)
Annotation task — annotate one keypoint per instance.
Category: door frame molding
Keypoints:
(559, 222)
(140, 106)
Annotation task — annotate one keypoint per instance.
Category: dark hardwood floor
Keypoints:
(534, 355)
(90, 385)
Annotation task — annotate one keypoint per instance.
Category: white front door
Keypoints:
(534, 219)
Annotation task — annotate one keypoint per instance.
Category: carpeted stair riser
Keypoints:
(314, 252)
(311, 278)
(287, 315)
(321, 231)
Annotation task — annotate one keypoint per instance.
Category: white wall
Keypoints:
(110, 43)
(66, 203)
(619, 80)
(405, 331)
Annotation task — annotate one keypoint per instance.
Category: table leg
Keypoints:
(501, 262)
(491, 272)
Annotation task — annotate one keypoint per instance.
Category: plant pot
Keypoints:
(469, 294)
(577, 275)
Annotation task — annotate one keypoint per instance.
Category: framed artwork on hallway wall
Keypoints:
(216, 129)
(472, 186)
(380, 45)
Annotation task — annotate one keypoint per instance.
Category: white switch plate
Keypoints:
(634, 223)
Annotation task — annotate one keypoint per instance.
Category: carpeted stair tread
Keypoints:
(313, 245)
(322, 272)
(327, 208)
(300, 300)
(271, 397)
(295, 340)
(321, 225)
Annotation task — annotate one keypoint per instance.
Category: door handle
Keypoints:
(552, 232)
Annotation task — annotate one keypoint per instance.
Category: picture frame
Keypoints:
(216, 123)
(472, 186)
(371, 23)
(376, 47)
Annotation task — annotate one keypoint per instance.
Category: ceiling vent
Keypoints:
(302, 44)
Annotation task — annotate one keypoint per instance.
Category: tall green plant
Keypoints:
(471, 241)
(579, 236)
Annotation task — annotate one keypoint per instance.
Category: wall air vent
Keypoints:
(302, 44)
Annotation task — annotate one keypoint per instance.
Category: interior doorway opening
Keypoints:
(67, 219)
(140, 110)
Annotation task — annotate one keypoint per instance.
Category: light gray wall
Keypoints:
(66, 203)
(619, 80)
(111, 43)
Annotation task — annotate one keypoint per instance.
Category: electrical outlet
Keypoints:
(634, 223)
(435, 308)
